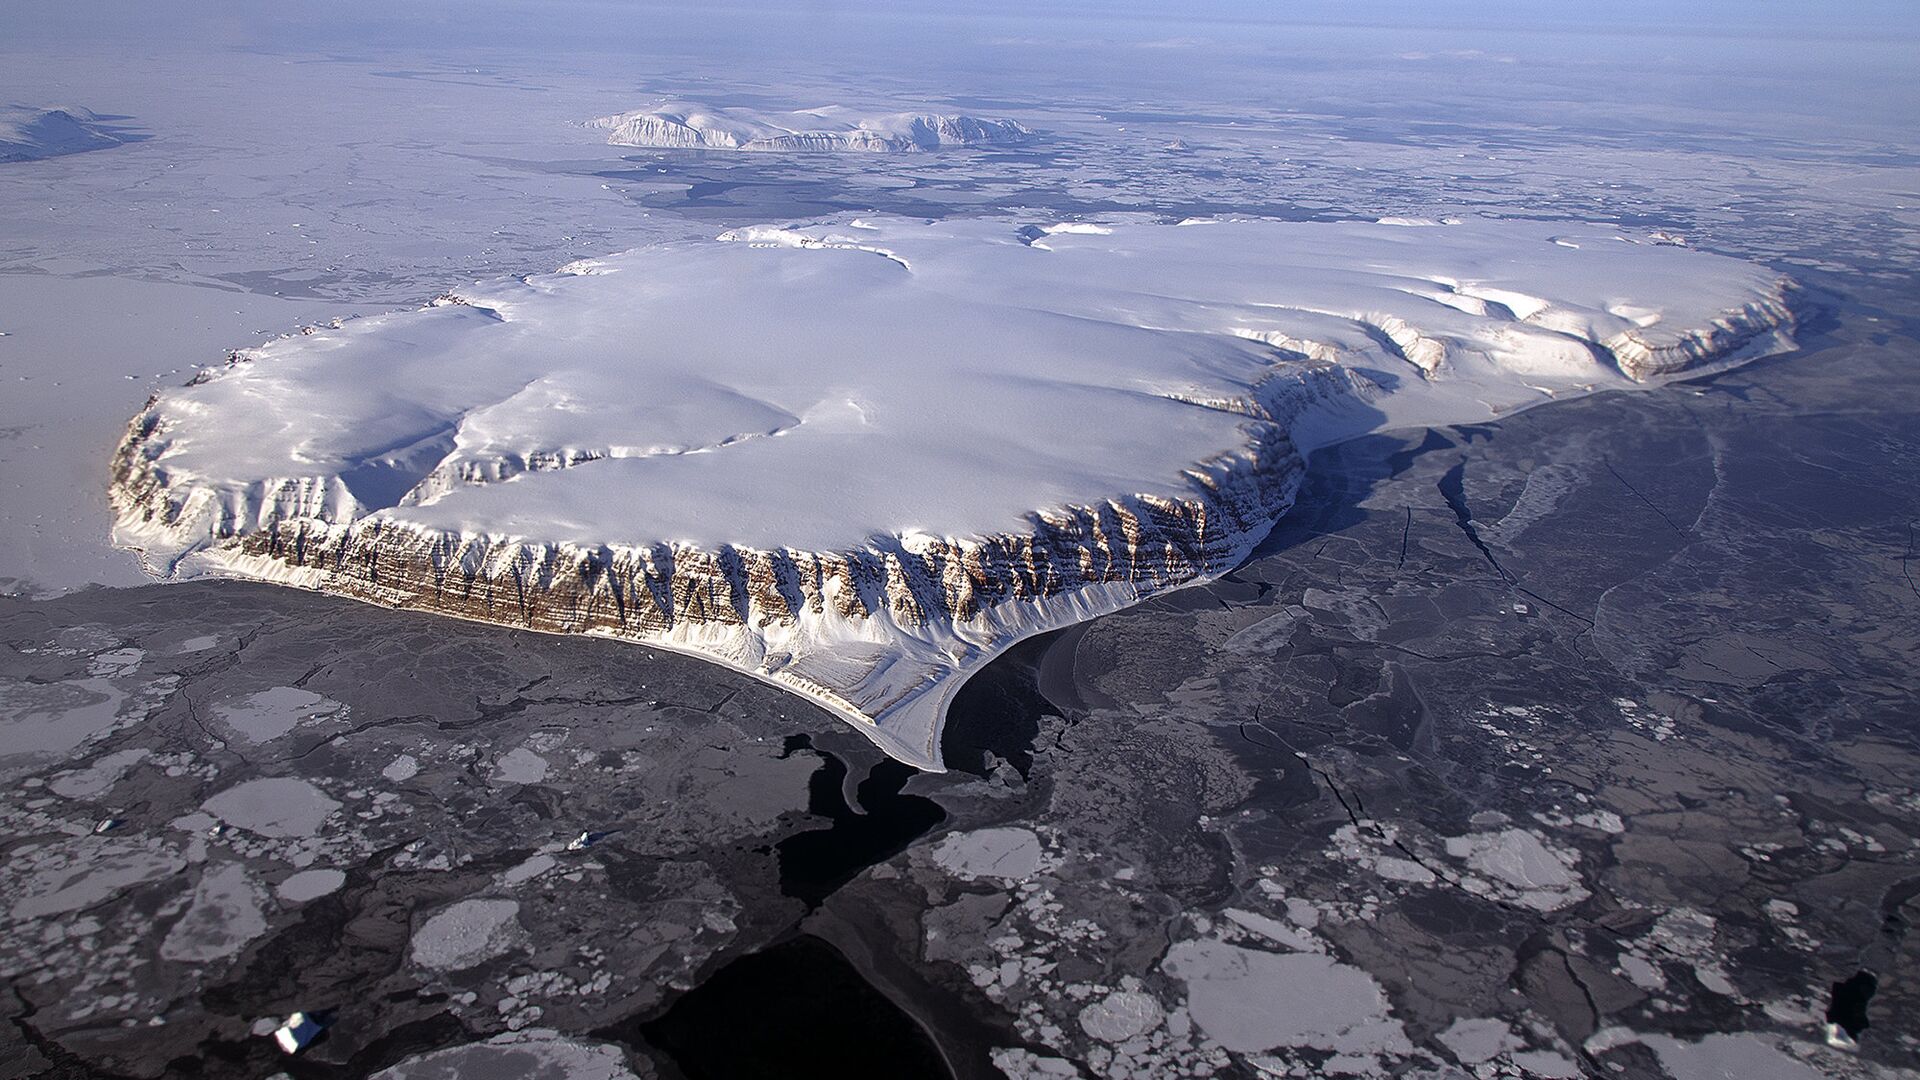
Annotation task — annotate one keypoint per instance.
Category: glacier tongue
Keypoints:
(858, 460)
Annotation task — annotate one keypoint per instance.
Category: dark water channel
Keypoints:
(794, 1011)
(799, 1008)
(997, 712)
(1848, 1007)
(813, 864)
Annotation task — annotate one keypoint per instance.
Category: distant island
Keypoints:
(688, 126)
(30, 134)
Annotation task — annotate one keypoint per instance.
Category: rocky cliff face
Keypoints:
(1645, 356)
(883, 626)
(941, 604)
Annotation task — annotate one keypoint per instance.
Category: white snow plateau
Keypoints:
(858, 460)
(683, 125)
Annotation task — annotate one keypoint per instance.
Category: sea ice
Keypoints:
(99, 776)
(535, 1053)
(1473, 1041)
(276, 806)
(520, 766)
(1121, 1015)
(305, 885)
(467, 933)
(1745, 1055)
(41, 719)
(224, 916)
(1249, 1001)
(269, 714)
(1542, 876)
(48, 880)
(1007, 854)
(1547, 1065)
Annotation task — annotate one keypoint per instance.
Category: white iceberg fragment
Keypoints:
(297, 1032)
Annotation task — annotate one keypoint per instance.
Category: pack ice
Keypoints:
(859, 460)
(684, 125)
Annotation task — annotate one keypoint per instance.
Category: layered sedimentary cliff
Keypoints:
(858, 461)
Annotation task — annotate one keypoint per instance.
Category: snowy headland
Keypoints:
(858, 460)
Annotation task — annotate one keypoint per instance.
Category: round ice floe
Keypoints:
(278, 806)
(306, 885)
(1121, 1015)
(1007, 854)
(469, 932)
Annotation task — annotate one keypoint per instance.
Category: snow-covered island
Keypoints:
(688, 126)
(859, 460)
(28, 133)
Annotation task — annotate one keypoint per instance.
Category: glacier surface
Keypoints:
(860, 459)
(685, 125)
